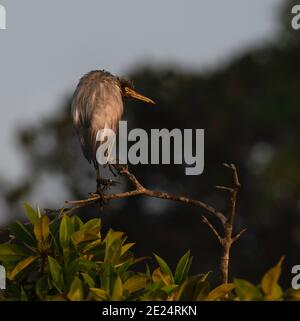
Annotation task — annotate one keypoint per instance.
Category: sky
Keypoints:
(49, 45)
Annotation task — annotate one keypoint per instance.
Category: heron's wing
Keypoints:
(95, 107)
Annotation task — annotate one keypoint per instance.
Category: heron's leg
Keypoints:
(102, 183)
(98, 178)
(112, 168)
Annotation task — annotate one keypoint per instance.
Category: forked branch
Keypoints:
(227, 221)
(228, 239)
(139, 189)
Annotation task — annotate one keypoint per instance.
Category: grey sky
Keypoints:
(49, 45)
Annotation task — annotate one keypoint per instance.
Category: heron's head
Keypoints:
(128, 91)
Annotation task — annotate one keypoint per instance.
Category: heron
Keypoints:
(97, 104)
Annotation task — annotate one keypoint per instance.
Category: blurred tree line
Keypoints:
(250, 111)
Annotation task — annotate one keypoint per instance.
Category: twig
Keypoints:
(228, 238)
(207, 222)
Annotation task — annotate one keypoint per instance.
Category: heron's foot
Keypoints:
(104, 184)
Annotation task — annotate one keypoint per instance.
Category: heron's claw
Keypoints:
(104, 184)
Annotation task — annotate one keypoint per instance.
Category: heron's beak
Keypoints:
(130, 93)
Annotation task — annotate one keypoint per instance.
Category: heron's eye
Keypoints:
(125, 83)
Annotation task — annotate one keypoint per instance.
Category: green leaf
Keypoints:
(22, 233)
(78, 237)
(292, 295)
(112, 255)
(20, 267)
(246, 291)
(136, 283)
(159, 275)
(219, 292)
(110, 238)
(203, 290)
(186, 272)
(269, 282)
(32, 215)
(88, 280)
(123, 267)
(168, 289)
(181, 267)
(99, 294)
(45, 227)
(148, 272)
(11, 252)
(86, 265)
(66, 229)
(76, 292)
(204, 276)
(42, 286)
(77, 222)
(117, 293)
(106, 277)
(92, 226)
(71, 271)
(164, 267)
(23, 295)
(194, 288)
(56, 273)
(126, 247)
(94, 247)
(56, 297)
(88, 232)
(42, 229)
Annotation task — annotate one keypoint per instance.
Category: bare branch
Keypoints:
(235, 174)
(227, 222)
(207, 222)
(141, 190)
(229, 189)
(234, 239)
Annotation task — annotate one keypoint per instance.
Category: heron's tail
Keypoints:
(89, 144)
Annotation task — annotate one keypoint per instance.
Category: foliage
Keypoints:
(67, 259)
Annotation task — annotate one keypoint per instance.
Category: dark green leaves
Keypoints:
(22, 233)
(20, 267)
(56, 274)
(246, 291)
(32, 215)
(164, 267)
(269, 283)
(11, 253)
(66, 230)
(220, 292)
(76, 291)
(66, 259)
(182, 268)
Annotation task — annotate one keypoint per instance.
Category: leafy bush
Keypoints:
(67, 259)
